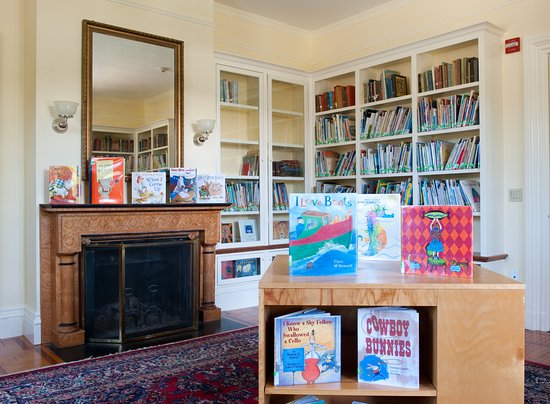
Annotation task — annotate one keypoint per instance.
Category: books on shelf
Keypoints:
(251, 164)
(228, 269)
(448, 74)
(280, 196)
(183, 185)
(64, 184)
(379, 227)
(340, 97)
(337, 128)
(246, 267)
(455, 111)
(229, 91)
(148, 187)
(309, 399)
(244, 196)
(307, 348)
(388, 346)
(472, 192)
(322, 238)
(227, 232)
(210, 188)
(287, 168)
(107, 180)
(386, 159)
(247, 230)
(383, 123)
(437, 240)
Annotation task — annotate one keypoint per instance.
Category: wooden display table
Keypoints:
(471, 333)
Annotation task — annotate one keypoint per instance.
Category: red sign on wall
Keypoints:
(511, 45)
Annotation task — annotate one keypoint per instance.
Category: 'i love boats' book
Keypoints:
(387, 346)
(437, 240)
(322, 237)
(307, 348)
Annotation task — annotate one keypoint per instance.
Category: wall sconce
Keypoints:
(65, 110)
(206, 126)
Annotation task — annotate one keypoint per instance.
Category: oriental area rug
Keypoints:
(219, 368)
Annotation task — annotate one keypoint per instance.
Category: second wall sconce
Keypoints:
(65, 110)
(206, 126)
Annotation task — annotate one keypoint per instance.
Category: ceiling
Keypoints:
(310, 15)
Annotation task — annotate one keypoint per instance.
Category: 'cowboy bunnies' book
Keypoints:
(322, 238)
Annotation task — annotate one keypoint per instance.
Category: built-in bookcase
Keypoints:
(427, 125)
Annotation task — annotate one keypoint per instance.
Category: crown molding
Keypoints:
(179, 16)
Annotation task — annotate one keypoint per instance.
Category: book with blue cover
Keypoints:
(307, 348)
(322, 236)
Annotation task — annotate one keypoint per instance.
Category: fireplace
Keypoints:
(136, 287)
(64, 230)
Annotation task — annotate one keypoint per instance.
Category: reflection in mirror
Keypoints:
(132, 97)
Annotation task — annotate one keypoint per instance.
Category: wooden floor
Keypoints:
(18, 354)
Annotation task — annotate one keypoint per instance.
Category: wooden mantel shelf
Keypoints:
(62, 228)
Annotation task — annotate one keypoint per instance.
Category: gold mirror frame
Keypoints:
(91, 27)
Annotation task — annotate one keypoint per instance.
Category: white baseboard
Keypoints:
(20, 321)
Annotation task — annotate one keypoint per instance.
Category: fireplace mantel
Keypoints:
(61, 230)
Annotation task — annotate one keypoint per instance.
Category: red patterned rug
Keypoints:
(219, 368)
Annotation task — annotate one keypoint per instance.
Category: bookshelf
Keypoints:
(147, 148)
(262, 123)
(415, 104)
(464, 325)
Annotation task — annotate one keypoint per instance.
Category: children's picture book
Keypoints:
(228, 269)
(183, 185)
(211, 188)
(246, 267)
(148, 187)
(107, 180)
(280, 229)
(388, 346)
(64, 184)
(309, 399)
(307, 348)
(322, 236)
(379, 227)
(227, 232)
(471, 189)
(437, 240)
(247, 230)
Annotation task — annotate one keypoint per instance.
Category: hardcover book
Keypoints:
(322, 237)
(247, 230)
(211, 188)
(228, 269)
(379, 227)
(148, 187)
(280, 229)
(307, 348)
(64, 184)
(437, 240)
(246, 267)
(183, 185)
(107, 180)
(227, 232)
(388, 346)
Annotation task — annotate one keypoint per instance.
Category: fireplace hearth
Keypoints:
(139, 287)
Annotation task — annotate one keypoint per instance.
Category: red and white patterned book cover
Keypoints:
(437, 240)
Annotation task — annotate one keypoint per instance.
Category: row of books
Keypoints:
(287, 168)
(387, 158)
(330, 163)
(308, 347)
(160, 160)
(438, 155)
(337, 128)
(391, 84)
(380, 123)
(330, 187)
(450, 192)
(340, 97)
(107, 184)
(448, 112)
(144, 144)
(448, 74)
(244, 196)
(250, 165)
(329, 233)
(113, 144)
(229, 91)
(280, 196)
(161, 140)
(240, 268)
(384, 186)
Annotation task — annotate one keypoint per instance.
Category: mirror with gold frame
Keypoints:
(132, 97)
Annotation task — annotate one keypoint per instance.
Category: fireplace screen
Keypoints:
(139, 288)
